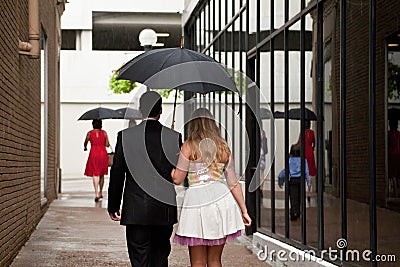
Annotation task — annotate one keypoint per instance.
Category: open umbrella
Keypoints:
(393, 114)
(265, 114)
(99, 114)
(295, 114)
(178, 68)
(129, 113)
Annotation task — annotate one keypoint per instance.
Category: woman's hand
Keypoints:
(246, 219)
(172, 173)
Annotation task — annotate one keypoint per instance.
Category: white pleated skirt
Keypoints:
(209, 212)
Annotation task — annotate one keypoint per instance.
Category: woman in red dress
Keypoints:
(97, 163)
(394, 153)
(309, 152)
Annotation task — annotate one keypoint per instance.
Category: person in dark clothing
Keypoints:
(144, 158)
(294, 180)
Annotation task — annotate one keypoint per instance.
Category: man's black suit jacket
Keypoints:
(144, 157)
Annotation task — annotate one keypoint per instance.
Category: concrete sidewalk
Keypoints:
(76, 231)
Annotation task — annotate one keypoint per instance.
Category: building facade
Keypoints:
(30, 45)
(339, 59)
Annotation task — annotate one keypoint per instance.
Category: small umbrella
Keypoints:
(295, 114)
(129, 113)
(393, 114)
(265, 114)
(99, 114)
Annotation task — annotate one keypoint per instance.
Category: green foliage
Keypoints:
(120, 86)
(126, 86)
(393, 81)
(165, 93)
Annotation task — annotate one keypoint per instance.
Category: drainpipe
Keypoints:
(32, 48)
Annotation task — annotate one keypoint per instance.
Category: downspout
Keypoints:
(32, 48)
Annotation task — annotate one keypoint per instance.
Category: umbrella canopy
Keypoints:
(265, 114)
(393, 114)
(99, 114)
(129, 113)
(178, 68)
(295, 114)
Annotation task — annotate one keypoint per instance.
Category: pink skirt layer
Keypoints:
(194, 241)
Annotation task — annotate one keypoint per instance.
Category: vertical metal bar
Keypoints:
(272, 137)
(220, 57)
(320, 124)
(195, 47)
(303, 128)
(188, 106)
(192, 38)
(214, 45)
(286, 80)
(343, 143)
(204, 28)
(203, 44)
(208, 41)
(226, 65)
(233, 76)
(249, 173)
(200, 30)
(252, 153)
(257, 108)
(209, 24)
(241, 90)
(372, 130)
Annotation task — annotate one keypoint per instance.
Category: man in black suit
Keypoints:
(144, 157)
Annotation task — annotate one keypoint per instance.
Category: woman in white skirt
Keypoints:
(213, 210)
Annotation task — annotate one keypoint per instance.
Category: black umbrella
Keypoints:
(129, 113)
(265, 114)
(99, 114)
(145, 65)
(178, 68)
(393, 114)
(295, 114)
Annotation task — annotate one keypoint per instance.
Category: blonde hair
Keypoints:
(202, 125)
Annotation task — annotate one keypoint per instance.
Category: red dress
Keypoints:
(97, 163)
(394, 153)
(310, 141)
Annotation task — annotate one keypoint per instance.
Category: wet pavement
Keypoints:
(76, 231)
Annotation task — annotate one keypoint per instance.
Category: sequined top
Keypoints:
(201, 173)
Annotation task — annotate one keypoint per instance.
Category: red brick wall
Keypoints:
(388, 22)
(20, 127)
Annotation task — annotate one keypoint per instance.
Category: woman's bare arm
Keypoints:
(86, 141)
(179, 174)
(236, 189)
(107, 141)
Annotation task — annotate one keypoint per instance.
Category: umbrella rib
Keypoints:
(165, 62)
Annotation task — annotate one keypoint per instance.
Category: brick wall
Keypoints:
(20, 126)
(357, 94)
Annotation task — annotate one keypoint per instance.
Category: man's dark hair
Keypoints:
(150, 104)
(97, 124)
(295, 151)
(307, 124)
(393, 124)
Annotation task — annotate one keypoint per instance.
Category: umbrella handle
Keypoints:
(173, 115)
